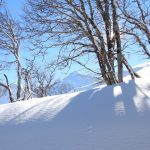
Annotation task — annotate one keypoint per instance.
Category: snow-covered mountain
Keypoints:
(79, 80)
(109, 118)
(75, 81)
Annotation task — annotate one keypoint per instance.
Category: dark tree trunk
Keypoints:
(118, 40)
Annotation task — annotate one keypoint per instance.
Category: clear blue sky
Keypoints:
(15, 8)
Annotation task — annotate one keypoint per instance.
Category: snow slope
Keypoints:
(112, 118)
(143, 70)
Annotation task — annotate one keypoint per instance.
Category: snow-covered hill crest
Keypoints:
(121, 99)
(115, 117)
(109, 118)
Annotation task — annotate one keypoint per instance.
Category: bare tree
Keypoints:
(27, 83)
(10, 37)
(116, 31)
(2, 91)
(41, 80)
(7, 87)
(137, 17)
(79, 28)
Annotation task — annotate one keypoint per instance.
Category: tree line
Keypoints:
(100, 29)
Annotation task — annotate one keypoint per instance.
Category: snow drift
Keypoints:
(109, 118)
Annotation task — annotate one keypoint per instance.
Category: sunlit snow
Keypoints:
(103, 118)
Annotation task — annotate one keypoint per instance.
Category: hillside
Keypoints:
(112, 118)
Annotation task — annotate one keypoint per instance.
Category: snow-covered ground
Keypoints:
(109, 118)
(143, 70)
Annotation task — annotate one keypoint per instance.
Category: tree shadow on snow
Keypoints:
(112, 104)
(102, 107)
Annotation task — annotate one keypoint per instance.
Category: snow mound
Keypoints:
(113, 118)
(143, 70)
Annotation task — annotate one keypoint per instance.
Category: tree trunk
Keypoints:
(130, 69)
(107, 72)
(19, 75)
(28, 87)
(8, 88)
(118, 40)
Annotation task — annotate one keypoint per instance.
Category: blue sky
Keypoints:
(15, 8)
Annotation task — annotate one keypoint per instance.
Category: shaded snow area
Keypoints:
(113, 118)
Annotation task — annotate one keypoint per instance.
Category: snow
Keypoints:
(75, 81)
(109, 118)
(78, 80)
(143, 70)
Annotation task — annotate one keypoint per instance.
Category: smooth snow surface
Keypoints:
(112, 118)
